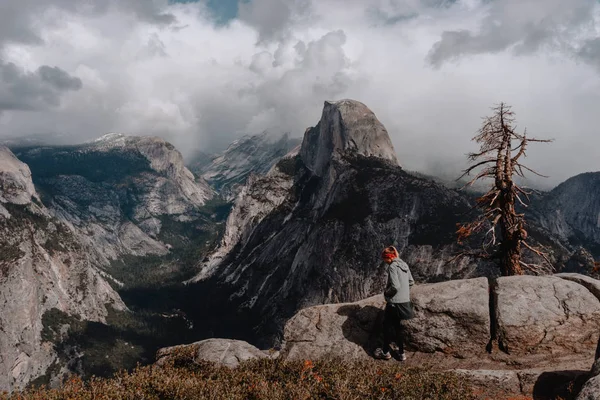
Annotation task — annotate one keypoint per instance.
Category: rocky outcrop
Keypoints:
(591, 388)
(318, 240)
(449, 312)
(183, 190)
(332, 330)
(581, 262)
(42, 267)
(546, 315)
(445, 314)
(225, 352)
(455, 328)
(16, 186)
(591, 284)
(543, 318)
(249, 155)
(122, 194)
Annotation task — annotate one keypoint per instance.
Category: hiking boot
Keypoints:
(381, 355)
(401, 357)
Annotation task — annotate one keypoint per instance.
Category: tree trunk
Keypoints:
(510, 258)
(510, 224)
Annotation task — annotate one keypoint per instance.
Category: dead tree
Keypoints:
(499, 158)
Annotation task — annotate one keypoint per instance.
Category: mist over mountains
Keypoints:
(117, 237)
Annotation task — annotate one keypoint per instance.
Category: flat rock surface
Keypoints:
(542, 384)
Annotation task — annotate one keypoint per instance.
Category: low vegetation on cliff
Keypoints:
(263, 379)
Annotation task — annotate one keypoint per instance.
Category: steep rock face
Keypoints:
(257, 199)
(42, 267)
(176, 191)
(255, 154)
(572, 211)
(321, 242)
(16, 186)
(118, 191)
(346, 127)
(581, 261)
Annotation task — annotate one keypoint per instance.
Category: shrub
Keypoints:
(289, 165)
(263, 379)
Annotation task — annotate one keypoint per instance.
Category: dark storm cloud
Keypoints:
(58, 78)
(525, 26)
(590, 51)
(20, 90)
(271, 18)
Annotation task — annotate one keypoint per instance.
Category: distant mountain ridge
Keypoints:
(251, 154)
(572, 211)
(118, 190)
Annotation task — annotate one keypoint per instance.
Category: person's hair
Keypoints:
(389, 253)
(391, 249)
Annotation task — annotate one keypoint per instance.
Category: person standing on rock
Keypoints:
(398, 305)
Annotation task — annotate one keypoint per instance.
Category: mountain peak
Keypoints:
(109, 137)
(16, 185)
(346, 127)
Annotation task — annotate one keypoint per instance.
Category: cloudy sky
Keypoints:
(201, 73)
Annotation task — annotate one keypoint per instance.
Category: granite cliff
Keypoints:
(43, 268)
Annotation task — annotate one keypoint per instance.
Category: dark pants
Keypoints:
(393, 331)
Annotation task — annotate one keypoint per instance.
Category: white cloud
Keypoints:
(201, 84)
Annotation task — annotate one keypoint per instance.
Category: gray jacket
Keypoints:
(400, 279)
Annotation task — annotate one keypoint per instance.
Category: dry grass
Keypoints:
(262, 379)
